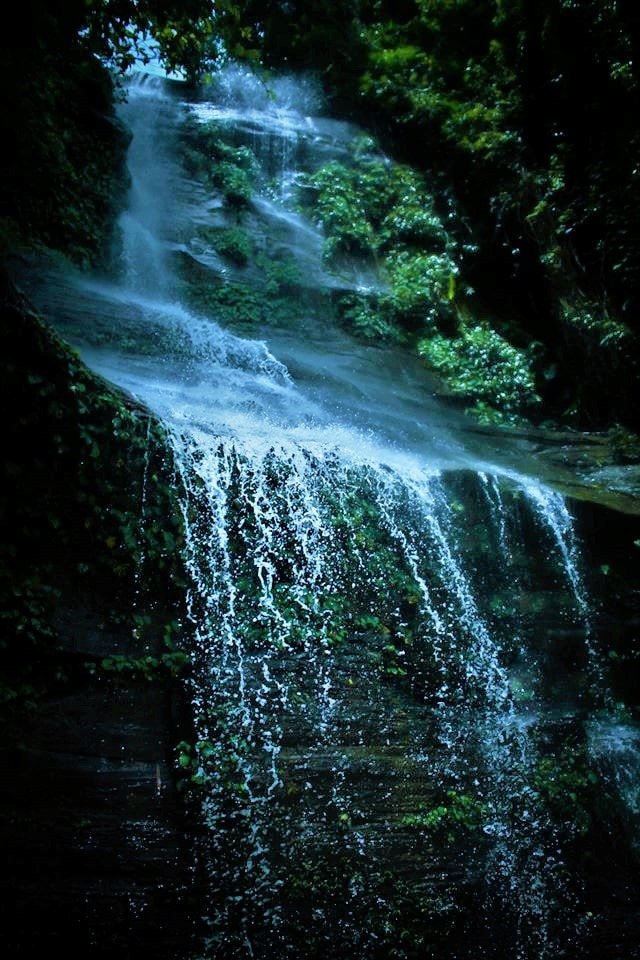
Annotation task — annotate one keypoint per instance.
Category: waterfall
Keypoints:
(373, 606)
(146, 220)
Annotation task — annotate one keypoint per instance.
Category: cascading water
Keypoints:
(372, 605)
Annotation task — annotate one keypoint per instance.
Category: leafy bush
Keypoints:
(378, 209)
(373, 206)
(482, 365)
(342, 211)
(234, 182)
(605, 329)
(233, 243)
(413, 220)
(421, 285)
(230, 169)
(366, 318)
(281, 272)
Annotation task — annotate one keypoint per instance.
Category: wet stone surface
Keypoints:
(98, 859)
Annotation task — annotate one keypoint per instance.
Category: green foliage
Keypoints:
(483, 366)
(189, 764)
(302, 35)
(422, 287)
(214, 763)
(393, 660)
(268, 300)
(412, 220)
(383, 212)
(372, 205)
(171, 662)
(228, 169)
(233, 243)
(78, 529)
(567, 785)
(281, 273)
(607, 331)
(342, 211)
(551, 196)
(459, 812)
(234, 183)
(237, 304)
(624, 444)
(65, 176)
(366, 317)
(456, 79)
(120, 31)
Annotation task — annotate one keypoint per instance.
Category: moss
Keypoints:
(625, 445)
(273, 297)
(281, 274)
(88, 506)
(238, 305)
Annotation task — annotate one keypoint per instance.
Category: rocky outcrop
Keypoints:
(98, 857)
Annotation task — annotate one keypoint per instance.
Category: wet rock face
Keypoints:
(98, 857)
(390, 722)
(598, 468)
(375, 836)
